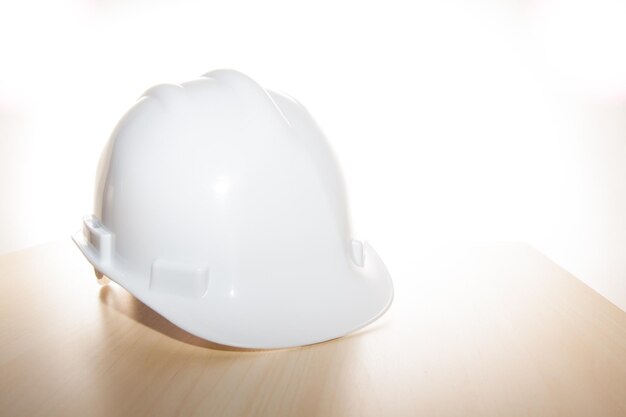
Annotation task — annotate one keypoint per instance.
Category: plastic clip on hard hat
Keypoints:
(220, 205)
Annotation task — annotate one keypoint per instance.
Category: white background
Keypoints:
(474, 120)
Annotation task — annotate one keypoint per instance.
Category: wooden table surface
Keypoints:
(475, 330)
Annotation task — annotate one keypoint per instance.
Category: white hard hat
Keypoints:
(220, 205)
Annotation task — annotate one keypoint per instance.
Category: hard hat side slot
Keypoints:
(170, 277)
(99, 238)
(358, 256)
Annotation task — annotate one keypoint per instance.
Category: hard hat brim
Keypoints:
(274, 319)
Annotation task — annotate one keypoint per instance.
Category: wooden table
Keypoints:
(475, 330)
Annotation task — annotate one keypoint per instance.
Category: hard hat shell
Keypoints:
(221, 205)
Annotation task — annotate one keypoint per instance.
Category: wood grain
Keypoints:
(475, 330)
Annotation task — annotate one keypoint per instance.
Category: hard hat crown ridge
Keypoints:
(221, 205)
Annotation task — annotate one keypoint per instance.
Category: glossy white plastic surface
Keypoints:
(221, 206)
